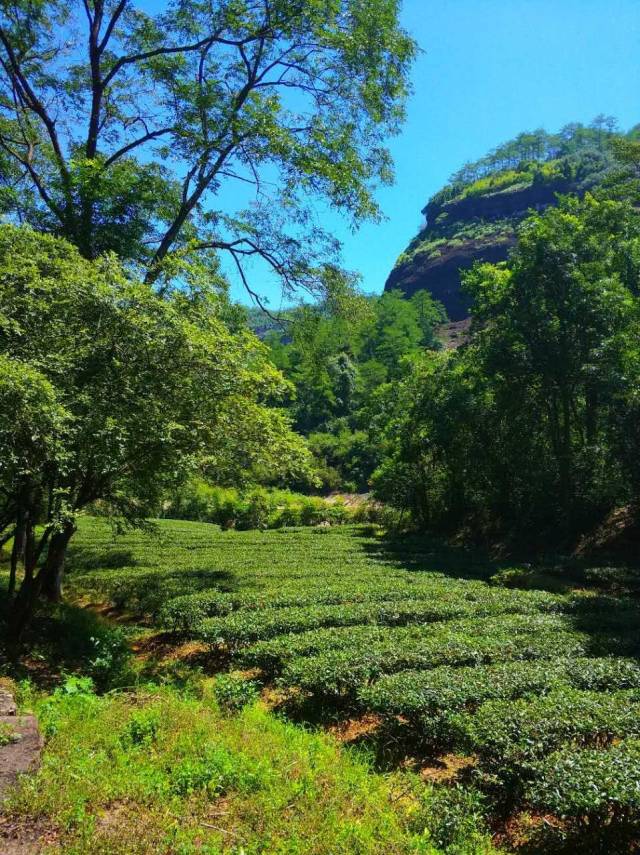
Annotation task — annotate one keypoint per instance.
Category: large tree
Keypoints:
(206, 128)
(112, 393)
(531, 428)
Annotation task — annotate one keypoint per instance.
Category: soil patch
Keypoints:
(446, 768)
(19, 836)
(23, 755)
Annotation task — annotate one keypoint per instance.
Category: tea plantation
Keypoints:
(539, 691)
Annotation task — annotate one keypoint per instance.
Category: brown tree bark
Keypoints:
(48, 580)
(17, 554)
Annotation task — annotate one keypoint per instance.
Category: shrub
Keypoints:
(257, 508)
(233, 693)
(109, 664)
(510, 737)
(598, 787)
(452, 818)
(142, 727)
(415, 694)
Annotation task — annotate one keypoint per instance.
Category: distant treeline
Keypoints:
(577, 152)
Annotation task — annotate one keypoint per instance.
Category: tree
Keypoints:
(394, 332)
(430, 314)
(560, 321)
(128, 130)
(531, 429)
(112, 393)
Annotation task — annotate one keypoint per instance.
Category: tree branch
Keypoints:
(151, 135)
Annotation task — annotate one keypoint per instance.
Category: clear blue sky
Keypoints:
(490, 69)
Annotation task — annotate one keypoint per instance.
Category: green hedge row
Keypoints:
(595, 787)
(415, 694)
(511, 737)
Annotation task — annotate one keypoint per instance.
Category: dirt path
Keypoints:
(17, 758)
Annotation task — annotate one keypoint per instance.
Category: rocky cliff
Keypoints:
(476, 215)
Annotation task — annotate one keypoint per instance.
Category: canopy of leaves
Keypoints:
(343, 368)
(120, 128)
(110, 392)
(530, 428)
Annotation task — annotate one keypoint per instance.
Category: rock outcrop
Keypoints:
(475, 217)
(461, 232)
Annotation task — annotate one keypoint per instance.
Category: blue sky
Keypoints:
(490, 69)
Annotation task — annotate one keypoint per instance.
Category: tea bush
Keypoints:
(592, 786)
(354, 622)
(414, 694)
(234, 693)
(509, 737)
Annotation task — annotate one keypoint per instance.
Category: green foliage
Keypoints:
(160, 764)
(343, 371)
(354, 623)
(530, 428)
(510, 737)
(142, 728)
(117, 395)
(454, 819)
(234, 693)
(156, 135)
(593, 786)
(108, 663)
(575, 152)
(340, 670)
(420, 694)
(431, 241)
(257, 508)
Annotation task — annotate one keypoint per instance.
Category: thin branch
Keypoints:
(34, 102)
(168, 51)
(250, 291)
(151, 135)
(36, 180)
(111, 25)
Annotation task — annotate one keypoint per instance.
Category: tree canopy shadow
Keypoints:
(424, 553)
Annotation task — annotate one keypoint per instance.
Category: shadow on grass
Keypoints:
(423, 553)
(613, 624)
(555, 573)
(165, 655)
(86, 558)
(62, 640)
(142, 594)
(552, 571)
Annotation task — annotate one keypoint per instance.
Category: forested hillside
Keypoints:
(474, 217)
(311, 582)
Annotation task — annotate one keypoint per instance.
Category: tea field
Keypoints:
(538, 691)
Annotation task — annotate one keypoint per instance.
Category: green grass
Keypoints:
(346, 622)
(7, 735)
(161, 772)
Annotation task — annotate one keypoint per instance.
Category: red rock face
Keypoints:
(440, 275)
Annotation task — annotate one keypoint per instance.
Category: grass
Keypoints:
(415, 648)
(7, 735)
(159, 771)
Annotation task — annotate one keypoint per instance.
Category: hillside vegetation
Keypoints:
(475, 216)
(234, 598)
(530, 698)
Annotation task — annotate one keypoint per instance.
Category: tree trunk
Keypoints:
(53, 568)
(565, 462)
(17, 554)
(47, 580)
